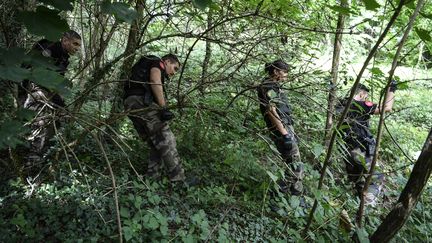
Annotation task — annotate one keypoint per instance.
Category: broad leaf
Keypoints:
(25, 114)
(371, 4)
(376, 71)
(12, 56)
(121, 11)
(10, 134)
(66, 5)
(423, 34)
(13, 73)
(44, 22)
(202, 4)
(272, 176)
(317, 150)
(342, 10)
(49, 79)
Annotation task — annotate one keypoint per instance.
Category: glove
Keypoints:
(166, 115)
(287, 141)
(393, 86)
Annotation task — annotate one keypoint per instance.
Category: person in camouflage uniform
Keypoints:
(145, 101)
(45, 103)
(360, 143)
(275, 108)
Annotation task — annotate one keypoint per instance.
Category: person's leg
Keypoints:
(294, 172)
(140, 120)
(165, 143)
(355, 168)
(377, 182)
(159, 137)
(41, 127)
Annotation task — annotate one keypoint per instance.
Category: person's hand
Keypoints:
(287, 141)
(393, 86)
(166, 115)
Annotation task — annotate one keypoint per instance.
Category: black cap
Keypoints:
(363, 87)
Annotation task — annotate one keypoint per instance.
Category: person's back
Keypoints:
(139, 80)
(360, 143)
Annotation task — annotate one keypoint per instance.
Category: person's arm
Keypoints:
(388, 104)
(276, 121)
(156, 86)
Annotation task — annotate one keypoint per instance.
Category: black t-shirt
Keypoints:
(270, 93)
(56, 52)
(357, 123)
(60, 57)
(138, 83)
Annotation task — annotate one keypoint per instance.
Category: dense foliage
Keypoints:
(220, 133)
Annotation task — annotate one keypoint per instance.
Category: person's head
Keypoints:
(277, 70)
(172, 64)
(71, 42)
(362, 92)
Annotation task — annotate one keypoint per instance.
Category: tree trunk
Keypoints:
(334, 72)
(131, 46)
(409, 196)
(207, 56)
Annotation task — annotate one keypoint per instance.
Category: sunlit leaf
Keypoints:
(342, 10)
(202, 4)
(371, 4)
(66, 5)
(121, 11)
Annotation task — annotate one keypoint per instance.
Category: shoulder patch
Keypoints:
(162, 65)
(271, 94)
(368, 103)
(46, 52)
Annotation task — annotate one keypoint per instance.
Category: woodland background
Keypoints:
(92, 187)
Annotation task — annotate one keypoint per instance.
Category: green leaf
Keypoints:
(371, 4)
(12, 56)
(317, 150)
(49, 79)
(16, 74)
(272, 176)
(19, 220)
(202, 4)
(124, 212)
(423, 34)
(153, 223)
(44, 22)
(376, 71)
(121, 11)
(66, 5)
(25, 114)
(342, 10)
(10, 134)
(128, 233)
(362, 235)
(294, 201)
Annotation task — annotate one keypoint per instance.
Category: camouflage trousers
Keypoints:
(157, 134)
(42, 127)
(357, 165)
(295, 169)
